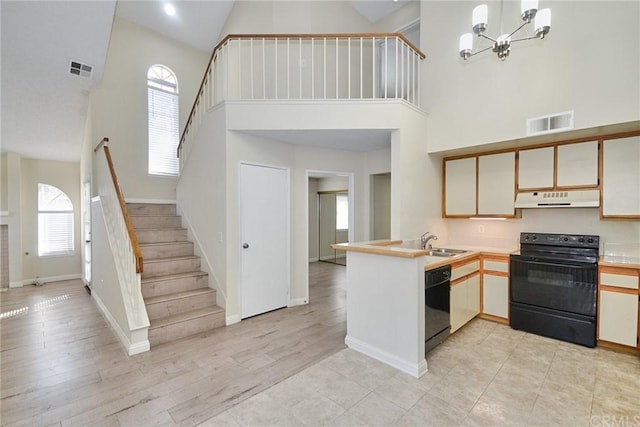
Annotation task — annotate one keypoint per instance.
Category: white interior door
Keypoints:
(264, 239)
(86, 224)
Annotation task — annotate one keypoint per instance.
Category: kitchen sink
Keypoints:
(445, 252)
(439, 252)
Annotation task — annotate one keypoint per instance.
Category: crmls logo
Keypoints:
(615, 421)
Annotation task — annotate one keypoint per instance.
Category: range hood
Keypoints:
(559, 199)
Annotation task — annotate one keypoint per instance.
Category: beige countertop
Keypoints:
(386, 247)
(619, 261)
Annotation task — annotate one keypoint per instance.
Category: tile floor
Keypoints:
(486, 374)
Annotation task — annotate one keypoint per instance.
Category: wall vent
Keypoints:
(79, 69)
(549, 124)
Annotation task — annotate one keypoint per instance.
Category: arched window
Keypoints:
(55, 221)
(162, 87)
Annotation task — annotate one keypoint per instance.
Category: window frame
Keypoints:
(344, 220)
(162, 82)
(70, 249)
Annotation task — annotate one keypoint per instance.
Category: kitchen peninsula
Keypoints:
(386, 300)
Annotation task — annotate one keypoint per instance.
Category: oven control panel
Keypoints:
(549, 239)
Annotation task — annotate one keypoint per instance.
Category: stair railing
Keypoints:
(293, 67)
(122, 235)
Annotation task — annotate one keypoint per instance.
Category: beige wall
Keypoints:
(381, 206)
(282, 17)
(408, 13)
(65, 176)
(3, 184)
(119, 105)
(596, 73)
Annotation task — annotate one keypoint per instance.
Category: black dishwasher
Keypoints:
(437, 321)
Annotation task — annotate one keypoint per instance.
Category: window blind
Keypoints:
(55, 222)
(163, 132)
(342, 212)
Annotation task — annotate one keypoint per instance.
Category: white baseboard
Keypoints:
(297, 301)
(49, 279)
(18, 284)
(414, 369)
(230, 320)
(331, 257)
(314, 259)
(151, 201)
(130, 348)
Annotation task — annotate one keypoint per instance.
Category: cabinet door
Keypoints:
(578, 164)
(535, 168)
(458, 303)
(495, 295)
(497, 184)
(473, 297)
(460, 187)
(621, 177)
(618, 321)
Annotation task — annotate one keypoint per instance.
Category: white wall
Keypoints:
(559, 220)
(201, 195)
(119, 105)
(588, 63)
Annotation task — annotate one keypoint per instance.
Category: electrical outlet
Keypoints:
(481, 229)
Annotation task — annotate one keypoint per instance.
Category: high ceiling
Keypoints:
(44, 107)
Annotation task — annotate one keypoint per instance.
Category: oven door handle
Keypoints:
(536, 261)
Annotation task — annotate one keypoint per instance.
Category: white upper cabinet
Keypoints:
(578, 165)
(460, 187)
(497, 184)
(621, 177)
(535, 168)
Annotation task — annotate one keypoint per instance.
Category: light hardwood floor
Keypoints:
(63, 365)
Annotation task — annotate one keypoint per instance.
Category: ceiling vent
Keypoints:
(79, 69)
(549, 124)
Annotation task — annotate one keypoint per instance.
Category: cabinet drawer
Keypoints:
(496, 266)
(464, 269)
(619, 280)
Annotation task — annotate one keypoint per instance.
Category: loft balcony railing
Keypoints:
(306, 67)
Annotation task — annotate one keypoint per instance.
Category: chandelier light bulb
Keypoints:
(528, 9)
(479, 18)
(169, 9)
(466, 45)
(543, 22)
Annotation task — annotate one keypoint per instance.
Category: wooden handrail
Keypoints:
(104, 141)
(320, 36)
(123, 206)
(284, 36)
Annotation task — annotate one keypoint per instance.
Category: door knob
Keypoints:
(245, 245)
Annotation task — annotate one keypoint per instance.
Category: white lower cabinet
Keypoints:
(495, 295)
(495, 286)
(618, 321)
(618, 315)
(465, 296)
(458, 303)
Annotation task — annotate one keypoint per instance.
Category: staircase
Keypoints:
(176, 293)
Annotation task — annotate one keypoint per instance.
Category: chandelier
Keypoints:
(502, 44)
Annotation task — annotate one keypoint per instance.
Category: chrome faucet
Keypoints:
(424, 239)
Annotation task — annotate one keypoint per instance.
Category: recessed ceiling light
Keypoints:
(169, 9)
